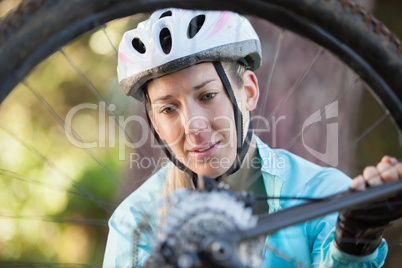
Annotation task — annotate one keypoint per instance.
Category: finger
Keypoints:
(398, 168)
(372, 176)
(387, 172)
(386, 159)
(394, 161)
(358, 183)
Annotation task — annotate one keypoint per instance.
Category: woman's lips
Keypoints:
(204, 150)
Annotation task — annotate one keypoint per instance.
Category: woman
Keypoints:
(194, 72)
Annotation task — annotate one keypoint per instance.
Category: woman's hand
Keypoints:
(388, 170)
(359, 230)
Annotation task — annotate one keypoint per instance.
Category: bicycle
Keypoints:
(381, 76)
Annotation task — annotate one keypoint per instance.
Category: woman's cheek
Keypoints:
(225, 128)
(173, 133)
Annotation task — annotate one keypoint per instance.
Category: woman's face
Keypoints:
(192, 113)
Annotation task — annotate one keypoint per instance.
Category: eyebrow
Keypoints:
(162, 98)
(202, 85)
(195, 88)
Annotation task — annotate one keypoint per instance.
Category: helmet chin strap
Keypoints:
(242, 147)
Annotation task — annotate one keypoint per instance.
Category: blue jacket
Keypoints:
(284, 174)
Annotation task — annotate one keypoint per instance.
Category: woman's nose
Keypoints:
(195, 123)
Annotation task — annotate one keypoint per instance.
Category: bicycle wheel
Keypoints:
(322, 27)
(338, 26)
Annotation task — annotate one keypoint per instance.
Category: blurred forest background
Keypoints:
(56, 198)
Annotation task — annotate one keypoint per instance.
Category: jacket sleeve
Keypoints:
(137, 213)
(321, 231)
(333, 257)
(119, 248)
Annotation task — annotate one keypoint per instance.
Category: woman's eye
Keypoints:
(168, 110)
(208, 96)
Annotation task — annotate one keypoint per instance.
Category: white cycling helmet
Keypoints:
(173, 39)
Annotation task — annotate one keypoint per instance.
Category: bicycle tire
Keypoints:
(342, 27)
(353, 35)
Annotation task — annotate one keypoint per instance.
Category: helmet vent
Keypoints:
(195, 25)
(166, 14)
(165, 39)
(138, 45)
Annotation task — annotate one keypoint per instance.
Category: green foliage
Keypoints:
(57, 197)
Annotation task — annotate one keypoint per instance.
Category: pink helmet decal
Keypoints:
(222, 21)
(123, 56)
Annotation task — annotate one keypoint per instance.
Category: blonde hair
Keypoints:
(176, 179)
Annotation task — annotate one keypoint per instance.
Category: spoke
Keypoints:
(23, 178)
(104, 29)
(363, 135)
(97, 94)
(310, 199)
(52, 165)
(284, 256)
(242, 185)
(247, 184)
(296, 85)
(74, 135)
(338, 98)
(43, 264)
(102, 101)
(89, 84)
(271, 74)
(56, 219)
(395, 242)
